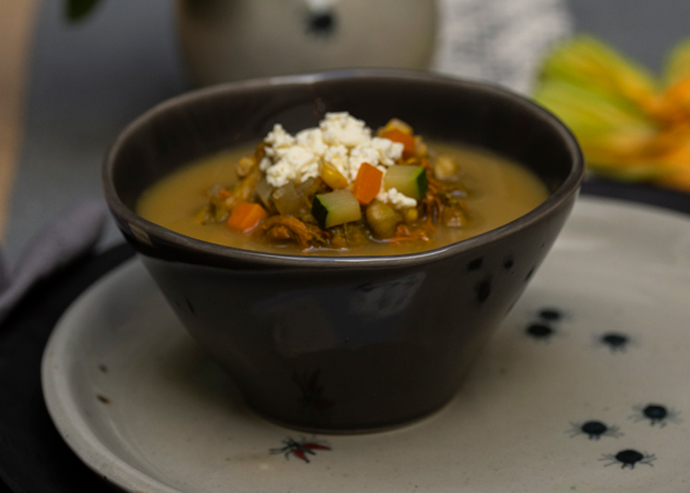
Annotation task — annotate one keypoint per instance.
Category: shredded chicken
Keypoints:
(290, 229)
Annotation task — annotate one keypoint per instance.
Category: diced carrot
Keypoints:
(367, 184)
(246, 216)
(406, 140)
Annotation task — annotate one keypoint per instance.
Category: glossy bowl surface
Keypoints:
(344, 344)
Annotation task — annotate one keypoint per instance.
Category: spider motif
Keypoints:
(594, 430)
(544, 327)
(628, 458)
(616, 342)
(539, 331)
(300, 449)
(550, 314)
(656, 414)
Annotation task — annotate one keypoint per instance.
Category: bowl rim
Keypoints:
(222, 253)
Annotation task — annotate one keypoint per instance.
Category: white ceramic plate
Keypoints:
(601, 336)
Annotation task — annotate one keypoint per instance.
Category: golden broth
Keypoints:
(499, 192)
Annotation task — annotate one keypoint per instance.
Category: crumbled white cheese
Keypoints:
(362, 154)
(341, 140)
(276, 139)
(341, 128)
(264, 164)
(296, 164)
(396, 199)
(389, 151)
(279, 174)
(312, 139)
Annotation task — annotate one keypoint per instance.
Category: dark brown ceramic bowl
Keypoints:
(344, 344)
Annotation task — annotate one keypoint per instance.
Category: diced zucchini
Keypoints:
(408, 180)
(334, 208)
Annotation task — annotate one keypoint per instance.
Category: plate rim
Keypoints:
(63, 412)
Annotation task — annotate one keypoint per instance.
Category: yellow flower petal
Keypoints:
(677, 65)
(589, 63)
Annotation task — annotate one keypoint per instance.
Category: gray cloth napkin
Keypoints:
(69, 237)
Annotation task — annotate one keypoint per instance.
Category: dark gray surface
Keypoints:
(88, 81)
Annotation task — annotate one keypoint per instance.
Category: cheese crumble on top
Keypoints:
(340, 139)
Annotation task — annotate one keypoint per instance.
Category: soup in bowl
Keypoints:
(419, 208)
(336, 190)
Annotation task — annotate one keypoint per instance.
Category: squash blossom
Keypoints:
(631, 125)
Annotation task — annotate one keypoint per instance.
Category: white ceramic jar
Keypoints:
(223, 40)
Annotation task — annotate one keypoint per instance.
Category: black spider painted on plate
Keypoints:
(615, 341)
(539, 331)
(545, 326)
(594, 430)
(550, 314)
(628, 458)
(656, 414)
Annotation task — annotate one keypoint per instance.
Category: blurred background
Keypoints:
(67, 87)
